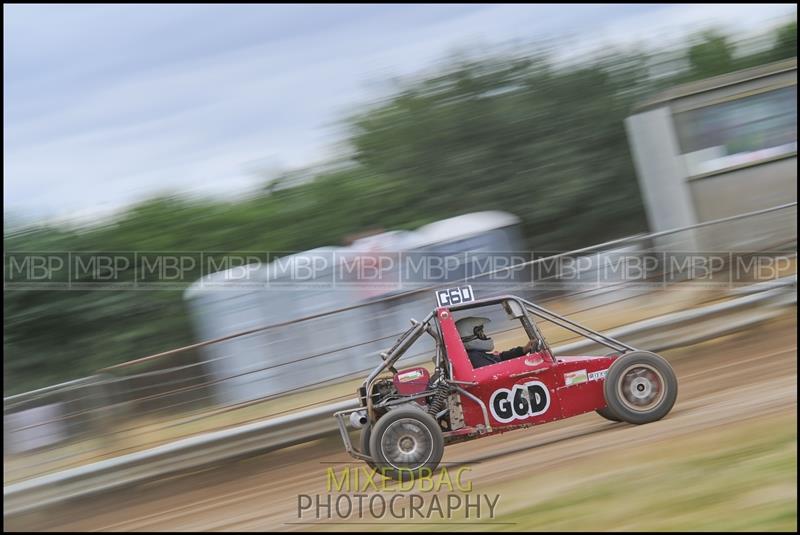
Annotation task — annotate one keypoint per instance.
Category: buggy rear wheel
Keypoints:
(640, 387)
(406, 442)
(606, 413)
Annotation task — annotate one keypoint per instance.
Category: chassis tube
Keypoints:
(577, 328)
(480, 404)
(397, 351)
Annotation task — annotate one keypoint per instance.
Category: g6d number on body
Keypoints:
(519, 403)
(454, 296)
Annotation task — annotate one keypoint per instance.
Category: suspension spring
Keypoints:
(439, 399)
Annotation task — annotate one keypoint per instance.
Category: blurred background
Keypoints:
(244, 142)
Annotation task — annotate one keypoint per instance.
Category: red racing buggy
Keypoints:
(407, 418)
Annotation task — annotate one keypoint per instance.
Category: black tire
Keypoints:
(640, 387)
(606, 413)
(406, 441)
(366, 433)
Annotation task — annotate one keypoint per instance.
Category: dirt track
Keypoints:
(732, 381)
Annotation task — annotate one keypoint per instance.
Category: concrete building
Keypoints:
(718, 147)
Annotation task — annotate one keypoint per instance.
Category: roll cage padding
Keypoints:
(461, 367)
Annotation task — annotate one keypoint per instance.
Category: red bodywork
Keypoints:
(532, 389)
(411, 381)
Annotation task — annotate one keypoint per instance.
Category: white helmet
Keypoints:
(471, 332)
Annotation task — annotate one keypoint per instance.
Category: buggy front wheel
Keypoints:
(406, 442)
(640, 387)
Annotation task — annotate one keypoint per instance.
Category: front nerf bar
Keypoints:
(348, 445)
(353, 452)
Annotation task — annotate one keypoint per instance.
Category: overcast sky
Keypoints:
(106, 105)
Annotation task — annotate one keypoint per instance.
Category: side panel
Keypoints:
(519, 391)
(580, 383)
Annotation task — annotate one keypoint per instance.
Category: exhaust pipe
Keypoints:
(358, 419)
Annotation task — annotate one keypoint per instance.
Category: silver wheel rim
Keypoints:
(641, 387)
(406, 444)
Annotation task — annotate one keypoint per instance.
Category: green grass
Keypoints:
(742, 478)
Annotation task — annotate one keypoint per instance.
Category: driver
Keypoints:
(480, 347)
